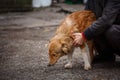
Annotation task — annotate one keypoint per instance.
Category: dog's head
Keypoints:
(58, 47)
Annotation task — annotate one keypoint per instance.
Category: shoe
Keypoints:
(101, 59)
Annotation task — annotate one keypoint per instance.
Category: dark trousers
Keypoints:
(109, 43)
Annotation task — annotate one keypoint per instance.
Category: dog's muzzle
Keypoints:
(50, 65)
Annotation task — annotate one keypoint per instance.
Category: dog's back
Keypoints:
(76, 22)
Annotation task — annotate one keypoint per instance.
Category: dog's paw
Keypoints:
(87, 67)
(68, 66)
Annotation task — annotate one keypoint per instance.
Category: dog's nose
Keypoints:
(49, 65)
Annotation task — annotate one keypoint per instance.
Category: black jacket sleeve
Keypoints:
(108, 17)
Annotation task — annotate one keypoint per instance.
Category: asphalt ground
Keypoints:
(24, 54)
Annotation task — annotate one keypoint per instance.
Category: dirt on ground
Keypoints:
(24, 54)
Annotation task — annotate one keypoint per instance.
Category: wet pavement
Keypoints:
(23, 49)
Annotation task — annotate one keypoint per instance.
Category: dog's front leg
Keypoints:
(86, 58)
(69, 64)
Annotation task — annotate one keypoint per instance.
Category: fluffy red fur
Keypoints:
(61, 43)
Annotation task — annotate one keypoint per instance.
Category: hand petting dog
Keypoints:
(78, 39)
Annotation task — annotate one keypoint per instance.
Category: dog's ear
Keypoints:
(64, 48)
(66, 44)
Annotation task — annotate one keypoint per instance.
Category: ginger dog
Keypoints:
(62, 43)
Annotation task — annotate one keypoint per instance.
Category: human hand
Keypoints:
(78, 39)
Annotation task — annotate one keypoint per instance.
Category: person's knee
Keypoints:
(113, 32)
(113, 36)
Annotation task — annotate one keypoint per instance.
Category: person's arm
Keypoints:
(105, 21)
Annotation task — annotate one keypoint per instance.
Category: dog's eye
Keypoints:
(54, 55)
